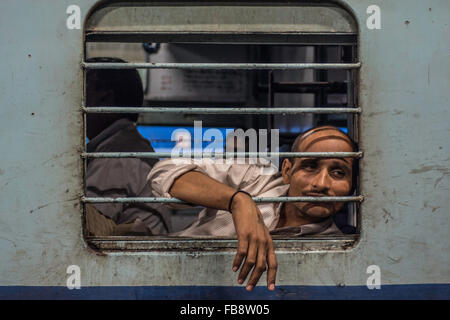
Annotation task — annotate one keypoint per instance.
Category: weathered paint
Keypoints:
(404, 97)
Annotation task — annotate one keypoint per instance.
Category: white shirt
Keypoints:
(257, 179)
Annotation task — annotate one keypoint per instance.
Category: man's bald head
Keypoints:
(313, 135)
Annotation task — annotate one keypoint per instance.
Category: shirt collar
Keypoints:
(306, 229)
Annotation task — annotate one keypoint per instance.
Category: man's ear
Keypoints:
(285, 171)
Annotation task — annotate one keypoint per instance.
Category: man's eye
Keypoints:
(338, 173)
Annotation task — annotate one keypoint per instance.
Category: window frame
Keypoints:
(114, 244)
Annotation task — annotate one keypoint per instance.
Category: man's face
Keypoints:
(320, 176)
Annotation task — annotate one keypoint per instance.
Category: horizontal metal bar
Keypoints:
(281, 39)
(215, 110)
(256, 199)
(223, 155)
(223, 66)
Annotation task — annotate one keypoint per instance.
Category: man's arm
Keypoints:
(254, 241)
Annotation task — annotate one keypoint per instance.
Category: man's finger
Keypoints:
(250, 261)
(240, 254)
(272, 266)
(260, 267)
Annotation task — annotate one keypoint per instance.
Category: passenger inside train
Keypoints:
(211, 184)
(118, 177)
(224, 188)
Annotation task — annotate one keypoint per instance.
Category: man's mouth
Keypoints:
(327, 205)
(315, 194)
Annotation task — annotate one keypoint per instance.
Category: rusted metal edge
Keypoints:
(128, 244)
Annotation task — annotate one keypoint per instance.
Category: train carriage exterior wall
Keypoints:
(404, 95)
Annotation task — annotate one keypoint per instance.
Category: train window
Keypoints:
(225, 66)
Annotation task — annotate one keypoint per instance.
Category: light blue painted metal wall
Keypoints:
(405, 97)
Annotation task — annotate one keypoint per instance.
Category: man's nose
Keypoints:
(321, 181)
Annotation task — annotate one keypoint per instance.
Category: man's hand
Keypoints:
(254, 243)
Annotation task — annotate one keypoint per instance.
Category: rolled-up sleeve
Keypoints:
(164, 174)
